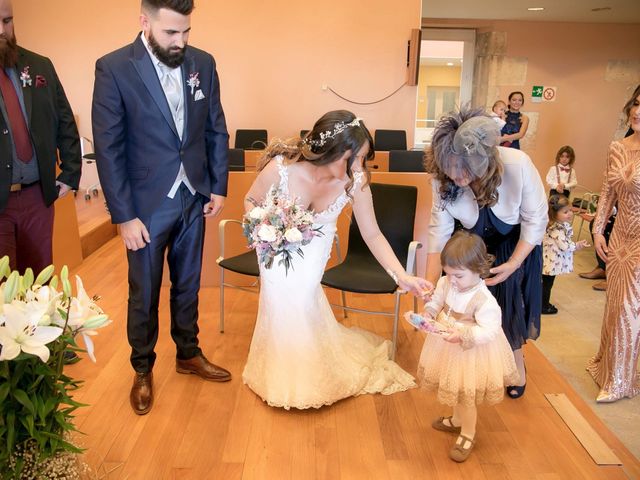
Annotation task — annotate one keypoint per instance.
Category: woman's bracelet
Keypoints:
(393, 275)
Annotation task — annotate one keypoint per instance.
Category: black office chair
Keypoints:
(251, 139)
(390, 140)
(244, 264)
(406, 161)
(236, 160)
(360, 272)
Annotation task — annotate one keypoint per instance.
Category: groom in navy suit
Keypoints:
(161, 144)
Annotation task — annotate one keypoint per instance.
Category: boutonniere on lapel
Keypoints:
(194, 82)
(25, 78)
(41, 82)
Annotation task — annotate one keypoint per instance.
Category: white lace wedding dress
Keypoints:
(300, 356)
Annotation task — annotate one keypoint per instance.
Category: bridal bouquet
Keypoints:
(278, 227)
(39, 326)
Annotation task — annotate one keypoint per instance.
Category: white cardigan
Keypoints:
(522, 200)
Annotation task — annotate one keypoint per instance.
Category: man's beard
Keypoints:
(8, 51)
(172, 58)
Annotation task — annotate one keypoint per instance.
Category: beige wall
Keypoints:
(273, 57)
(573, 57)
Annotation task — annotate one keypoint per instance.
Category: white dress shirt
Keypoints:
(557, 175)
(522, 200)
(176, 73)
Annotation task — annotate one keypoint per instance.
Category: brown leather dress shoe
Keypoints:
(595, 274)
(600, 286)
(202, 367)
(141, 396)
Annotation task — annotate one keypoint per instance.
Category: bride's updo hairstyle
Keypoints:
(466, 141)
(332, 135)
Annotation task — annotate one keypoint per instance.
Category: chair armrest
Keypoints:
(336, 240)
(221, 226)
(411, 257)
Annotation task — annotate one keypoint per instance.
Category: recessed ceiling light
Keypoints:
(449, 64)
(535, 9)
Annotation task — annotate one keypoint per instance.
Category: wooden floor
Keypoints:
(199, 430)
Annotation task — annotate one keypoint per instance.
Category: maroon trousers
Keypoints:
(26, 230)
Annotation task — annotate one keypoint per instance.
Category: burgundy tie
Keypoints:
(16, 118)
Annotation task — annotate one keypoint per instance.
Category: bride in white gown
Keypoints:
(300, 356)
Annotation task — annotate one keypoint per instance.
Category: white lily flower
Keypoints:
(89, 329)
(19, 334)
(82, 308)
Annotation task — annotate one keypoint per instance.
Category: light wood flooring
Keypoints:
(199, 430)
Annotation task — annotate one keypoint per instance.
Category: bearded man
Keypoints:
(37, 124)
(161, 144)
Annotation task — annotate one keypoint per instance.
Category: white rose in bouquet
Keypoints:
(267, 233)
(293, 235)
(257, 213)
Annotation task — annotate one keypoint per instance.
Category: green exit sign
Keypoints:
(536, 91)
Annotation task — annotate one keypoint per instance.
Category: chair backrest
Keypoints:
(390, 140)
(406, 161)
(236, 160)
(395, 207)
(251, 139)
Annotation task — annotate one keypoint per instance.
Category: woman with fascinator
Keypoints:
(300, 356)
(497, 193)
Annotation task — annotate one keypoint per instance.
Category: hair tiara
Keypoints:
(338, 128)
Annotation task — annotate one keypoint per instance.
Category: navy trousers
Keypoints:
(176, 229)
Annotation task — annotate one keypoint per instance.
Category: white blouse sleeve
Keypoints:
(572, 181)
(436, 303)
(552, 178)
(533, 205)
(441, 222)
(488, 318)
(488, 322)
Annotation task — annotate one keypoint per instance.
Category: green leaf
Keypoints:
(49, 405)
(27, 422)
(23, 398)
(44, 276)
(54, 282)
(4, 391)
(11, 429)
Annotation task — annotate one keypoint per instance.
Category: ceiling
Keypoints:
(619, 11)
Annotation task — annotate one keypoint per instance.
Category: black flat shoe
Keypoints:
(516, 392)
(549, 310)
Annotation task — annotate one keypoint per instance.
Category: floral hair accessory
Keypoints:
(476, 137)
(338, 128)
(25, 78)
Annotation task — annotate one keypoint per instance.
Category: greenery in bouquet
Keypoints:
(279, 227)
(39, 326)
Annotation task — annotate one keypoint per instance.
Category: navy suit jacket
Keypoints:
(137, 147)
(51, 126)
